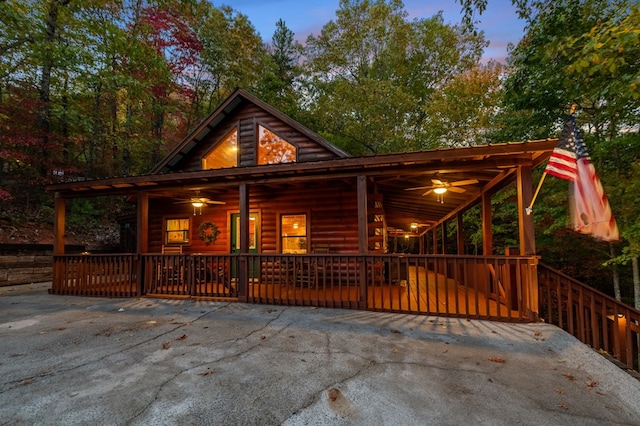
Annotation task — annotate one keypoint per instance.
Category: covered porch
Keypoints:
(355, 206)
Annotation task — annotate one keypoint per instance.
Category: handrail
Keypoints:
(593, 317)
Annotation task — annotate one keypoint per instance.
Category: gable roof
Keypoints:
(226, 108)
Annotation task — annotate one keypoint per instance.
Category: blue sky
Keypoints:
(499, 22)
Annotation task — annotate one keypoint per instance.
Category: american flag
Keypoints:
(590, 210)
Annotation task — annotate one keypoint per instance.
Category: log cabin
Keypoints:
(253, 207)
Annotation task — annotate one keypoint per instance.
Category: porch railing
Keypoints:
(493, 287)
(488, 287)
(591, 316)
(190, 275)
(106, 275)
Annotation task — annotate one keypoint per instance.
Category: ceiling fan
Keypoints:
(439, 187)
(198, 202)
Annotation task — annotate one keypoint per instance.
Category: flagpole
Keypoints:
(529, 209)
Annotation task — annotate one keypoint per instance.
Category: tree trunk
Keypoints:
(636, 281)
(616, 276)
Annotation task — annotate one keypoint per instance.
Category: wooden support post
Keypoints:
(434, 235)
(444, 237)
(460, 233)
(243, 262)
(525, 221)
(142, 239)
(363, 244)
(59, 224)
(487, 229)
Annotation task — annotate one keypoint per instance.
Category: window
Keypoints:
(293, 233)
(176, 231)
(272, 149)
(225, 154)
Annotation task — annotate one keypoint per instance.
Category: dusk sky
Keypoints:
(499, 22)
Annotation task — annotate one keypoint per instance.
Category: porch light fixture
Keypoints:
(197, 205)
(439, 191)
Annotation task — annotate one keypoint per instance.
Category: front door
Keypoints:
(253, 240)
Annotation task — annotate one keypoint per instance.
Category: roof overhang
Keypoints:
(494, 166)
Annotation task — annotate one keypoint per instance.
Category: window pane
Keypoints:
(225, 154)
(177, 231)
(272, 149)
(293, 233)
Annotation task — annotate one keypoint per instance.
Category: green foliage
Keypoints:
(372, 74)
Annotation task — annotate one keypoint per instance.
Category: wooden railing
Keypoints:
(190, 275)
(494, 287)
(591, 316)
(106, 275)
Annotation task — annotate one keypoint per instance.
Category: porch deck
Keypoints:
(462, 286)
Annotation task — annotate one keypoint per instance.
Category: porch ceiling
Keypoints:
(493, 166)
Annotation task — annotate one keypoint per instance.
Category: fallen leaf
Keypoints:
(496, 359)
(563, 405)
(537, 334)
(591, 384)
(559, 391)
(393, 330)
(206, 372)
(184, 336)
(333, 394)
(166, 345)
(569, 376)
(395, 351)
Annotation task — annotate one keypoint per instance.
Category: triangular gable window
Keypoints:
(225, 154)
(272, 149)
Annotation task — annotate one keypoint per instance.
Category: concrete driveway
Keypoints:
(73, 360)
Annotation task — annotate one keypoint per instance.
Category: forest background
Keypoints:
(103, 88)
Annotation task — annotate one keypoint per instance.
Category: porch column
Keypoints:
(142, 224)
(527, 243)
(59, 224)
(435, 240)
(142, 238)
(243, 263)
(525, 221)
(444, 237)
(487, 230)
(460, 233)
(363, 234)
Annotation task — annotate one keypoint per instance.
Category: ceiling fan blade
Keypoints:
(215, 202)
(455, 189)
(428, 192)
(464, 182)
(437, 182)
(182, 202)
(417, 187)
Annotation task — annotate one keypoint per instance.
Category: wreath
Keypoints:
(208, 232)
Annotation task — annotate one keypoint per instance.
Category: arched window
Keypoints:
(225, 154)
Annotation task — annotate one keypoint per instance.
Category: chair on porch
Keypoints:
(172, 249)
(171, 271)
(315, 271)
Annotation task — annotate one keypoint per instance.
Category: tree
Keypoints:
(371, 73)
(582, 53)
(283, 70)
